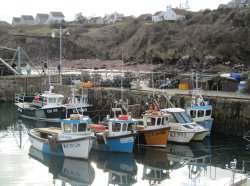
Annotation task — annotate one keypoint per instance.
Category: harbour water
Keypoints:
(199, 163)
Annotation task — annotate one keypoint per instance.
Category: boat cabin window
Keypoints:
(192, 113)
(74, 127)
(150, 121)
(116, 127)
(208, 112)
(200, 113)
(67, 127)
(130, 127)
(188, 126)
(82, 127)
(51, 100)
(182, 117)
(165, 121)
(172, 118)
(124, 127)
(159, 121)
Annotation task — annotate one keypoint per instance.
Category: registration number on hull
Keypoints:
(127, 140)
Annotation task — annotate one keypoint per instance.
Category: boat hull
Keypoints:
(207, 124)
(180, 136)
(46, 114)
(74, 148)
(199, 136)
(76, 110)
(153, 138)
(114, 144)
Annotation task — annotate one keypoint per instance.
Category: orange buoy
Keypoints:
(123, 117)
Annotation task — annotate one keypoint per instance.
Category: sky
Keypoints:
(90, 8)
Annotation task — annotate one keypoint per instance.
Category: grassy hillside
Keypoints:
(204, 40)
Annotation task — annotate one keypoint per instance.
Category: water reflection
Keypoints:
(155, 165)
(121, 167)
(37, 123)
(68, 171)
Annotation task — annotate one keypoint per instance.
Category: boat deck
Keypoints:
(50, 130)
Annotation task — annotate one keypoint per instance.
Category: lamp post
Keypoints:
(53, 34)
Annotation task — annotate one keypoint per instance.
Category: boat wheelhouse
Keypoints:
(200, 111)
(77, 104)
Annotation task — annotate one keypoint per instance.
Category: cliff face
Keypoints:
(205, 40)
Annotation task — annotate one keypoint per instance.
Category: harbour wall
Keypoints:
(231, 115)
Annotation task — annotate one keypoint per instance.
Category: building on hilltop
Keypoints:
(235, 4)
(95, 20)
(16, 21)
(55, 17)
(41, 19)
(145, 17)
(27, 20)
(158, 16)
(112, 18)
(174, 14)
(4, 24)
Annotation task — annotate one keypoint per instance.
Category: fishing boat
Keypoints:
(47, 106)
(68, 171)
(182, 128)
(153, 130)
(118, 134)
(200, 110)
(74, 139)
(77, 104)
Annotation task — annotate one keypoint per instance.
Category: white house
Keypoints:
(236, 4)
(158, 16)
(112, 18)
(95, 20)
(241, 3)
(174, 14)
(16, 21)
(41, 19)
(55, 17)
(27, 20)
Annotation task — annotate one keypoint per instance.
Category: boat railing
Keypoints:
(24, 97)
(247, 136)
(237, 181)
